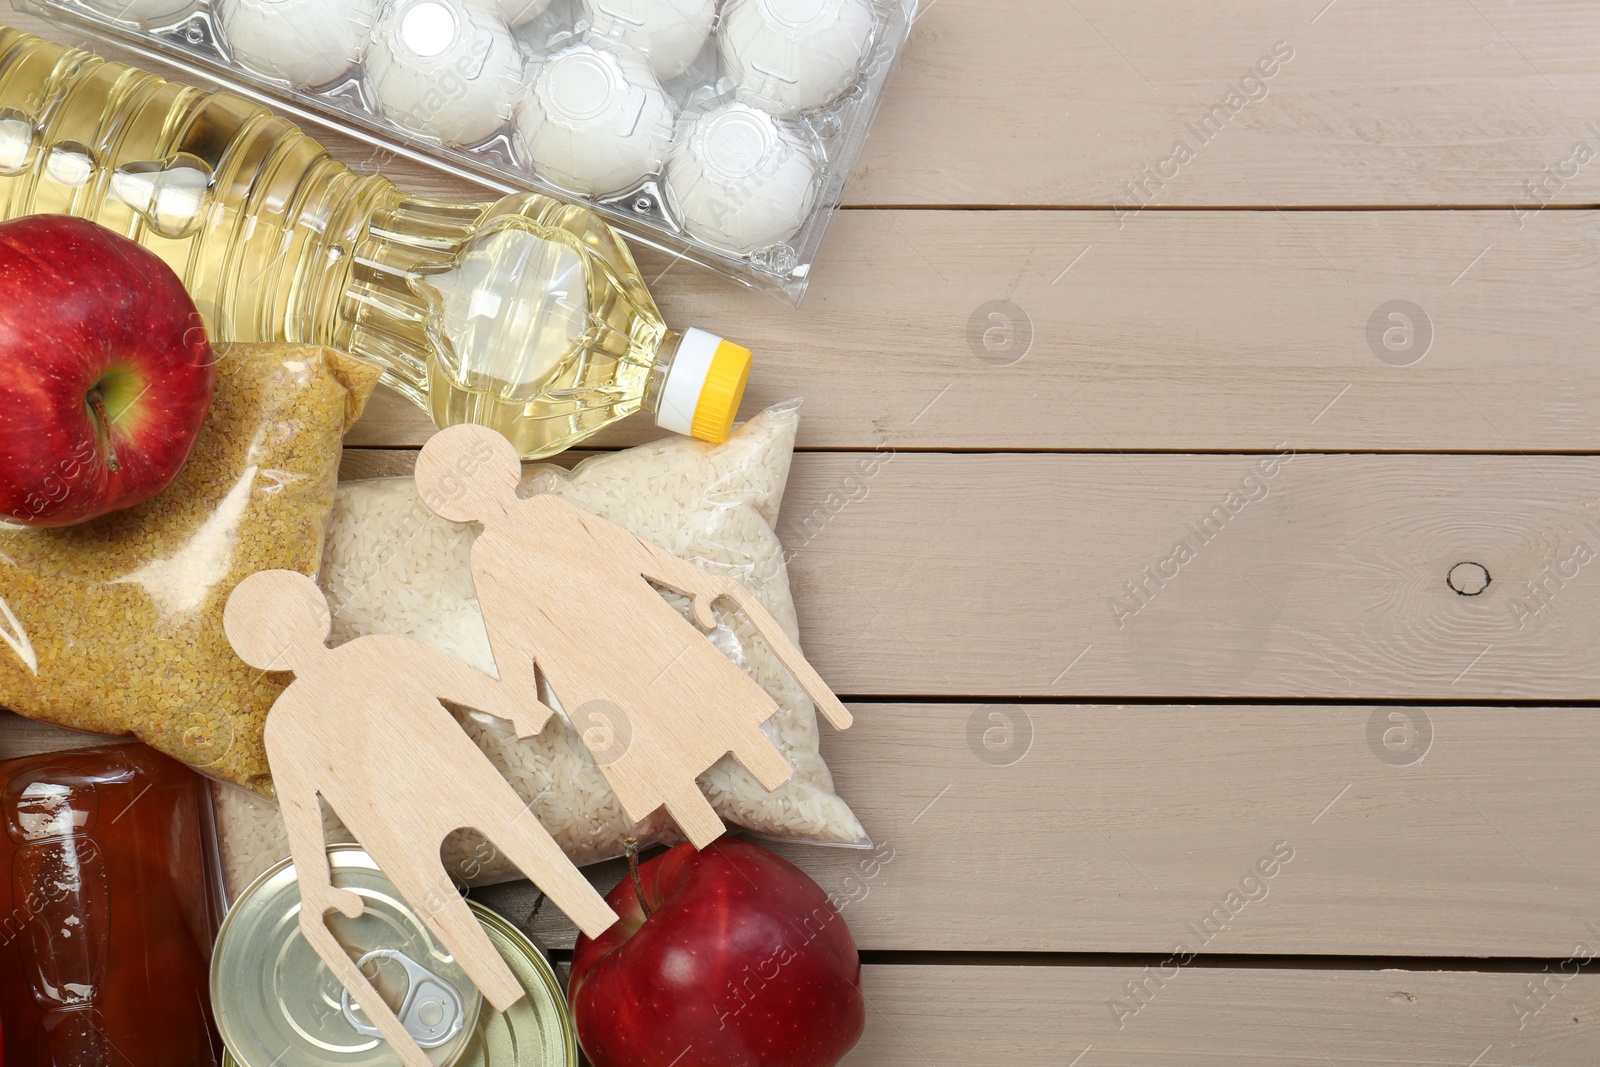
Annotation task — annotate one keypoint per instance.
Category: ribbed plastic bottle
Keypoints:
(526, 314)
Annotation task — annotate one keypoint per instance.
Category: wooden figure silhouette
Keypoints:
(574, 596)
(363, 727)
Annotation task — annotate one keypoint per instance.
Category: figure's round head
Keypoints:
(276, 619)
(468, 474)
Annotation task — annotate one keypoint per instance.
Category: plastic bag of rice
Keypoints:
(392, 566)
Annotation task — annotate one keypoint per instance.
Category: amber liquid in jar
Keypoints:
(109, 910)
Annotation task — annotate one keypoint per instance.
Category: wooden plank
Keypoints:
(1010, 575)
(1420, 103)
(1189, 331)
(1124, 829)
(1046, 1016)
(1011, 102)
(1158, 576)
(1121, 829)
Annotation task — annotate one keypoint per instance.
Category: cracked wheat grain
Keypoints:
(123, 615)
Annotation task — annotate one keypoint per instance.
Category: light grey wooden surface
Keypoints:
(1422, 831)
(1301, 575)
(1389, 160)
(1261, 1016)
(1427, 102)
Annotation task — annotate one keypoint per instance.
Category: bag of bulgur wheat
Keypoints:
(394, 567)
(115, 626)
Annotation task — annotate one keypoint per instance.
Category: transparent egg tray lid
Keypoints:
(720, 131)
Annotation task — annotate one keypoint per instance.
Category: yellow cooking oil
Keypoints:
(526, 314)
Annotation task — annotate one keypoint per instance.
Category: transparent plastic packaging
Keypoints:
(392, 566)
(525, 95)
(527, 314)
(115, 626)
(113, 900)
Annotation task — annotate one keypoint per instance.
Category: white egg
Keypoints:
(516, 12)
(670, 33)
(307, 43)
(141, 11)
(448, 69)
(597, 121)
(741, 180)
(790, 56)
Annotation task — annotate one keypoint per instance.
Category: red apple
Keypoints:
(743, 961)
(105, 372)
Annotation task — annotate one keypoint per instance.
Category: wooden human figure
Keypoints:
(363, 727)
(655, 702)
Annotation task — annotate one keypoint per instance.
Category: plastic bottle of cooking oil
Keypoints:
(527, 315)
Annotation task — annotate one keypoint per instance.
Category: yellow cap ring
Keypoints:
(722, 393)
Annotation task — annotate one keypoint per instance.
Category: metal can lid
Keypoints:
(254, 1010)
(537, 1031)
(276, 1002)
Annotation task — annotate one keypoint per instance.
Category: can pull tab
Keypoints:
(431, 1011)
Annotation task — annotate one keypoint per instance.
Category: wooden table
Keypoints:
(1341, 348)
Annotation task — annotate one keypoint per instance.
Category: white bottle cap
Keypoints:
(704, 386)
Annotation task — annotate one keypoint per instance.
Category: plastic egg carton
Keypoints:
(722, 131)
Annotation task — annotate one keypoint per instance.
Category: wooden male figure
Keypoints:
(362, 725)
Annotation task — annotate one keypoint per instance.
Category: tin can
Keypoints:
(277, 1005)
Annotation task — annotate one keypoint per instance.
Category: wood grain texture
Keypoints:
(1127, 829)
(1101, 829)
(1186, 331)
(1044, 1017)
(1125, 576)
(1009, 575)
(1421, 103)
(1295, 1015)
(1424, 103)
(1116, 828)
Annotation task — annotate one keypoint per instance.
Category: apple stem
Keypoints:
(630, 848)
(102, 418)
